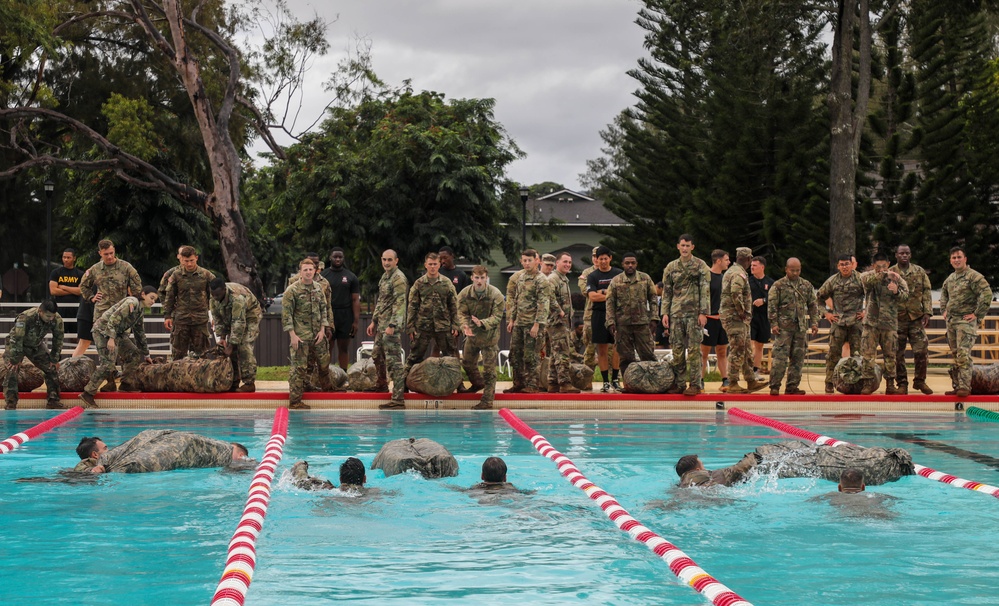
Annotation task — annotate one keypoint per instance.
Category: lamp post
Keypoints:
(49, 190)
(523, 223)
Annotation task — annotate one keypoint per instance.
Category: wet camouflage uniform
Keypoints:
(686, 295)
(187, 303)
(237, 320)
(116, 323)
(529, 306)
(304, 310)
(847, 295)
(114, 282)
(792, 310)
(27, 340)
(390, 310)
(962, 293)
(433, 314)
(880, 324)
(590, 350)
(321, 354)
(559, 319)
(910, 324)
(736, 312)
(487, 306)
(631, 309)
(162, 450)
(722, 477)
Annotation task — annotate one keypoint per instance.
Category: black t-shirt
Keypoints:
(599, 280)
(716, 286)
(67, 277)
(459, 278)
(343, 284)
(760, 289)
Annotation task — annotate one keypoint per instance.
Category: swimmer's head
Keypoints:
(352, 472)
(239, 451)
(687, 463)
(91, 447)
(300, 470)
(494, 470)
(851, 480)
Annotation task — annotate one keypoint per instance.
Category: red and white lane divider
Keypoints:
(242, 557)
(922, 470)
(20, 438)
(682, 566)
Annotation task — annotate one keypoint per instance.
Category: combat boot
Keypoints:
(248, 387)
(483, 406)
(392, 405)
(962, 393)
(829, 387)
(923, 387)
(735, 387)
(88, 400)
(891, 390)
(794, 391)
(514, 389)
(903, 389)
(300, 405)
(553, 388)
(692, 390)
(754, 386)
(950, 392)
(531, 390)
(53, 404)
(10, 403)
(677, 388)
(109, 387)
(774, 392)
(568, 389)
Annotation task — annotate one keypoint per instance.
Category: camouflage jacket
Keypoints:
(164, 450)
(847, 295)
(686, 288)
(125, 317)
(559, 300)
(631, 300)
(724, 477)
(882, 304)
(530, 304)
(511, 291)
(433, 305)
(966, 292)
(390, 308)
(162, 290)
(237, 311)
(323, 283)
(581, 282)
(736, 296)
(188, 296)
(487, 306)
(792, 305)
(304, 310)
(920, 301)
(114, 282)
(29, 331)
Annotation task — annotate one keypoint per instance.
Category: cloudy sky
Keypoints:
(555, 67)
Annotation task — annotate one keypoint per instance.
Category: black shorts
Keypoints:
(759, 329)
(343, 320)
(601, 335)
(85, 329)
(716, 334)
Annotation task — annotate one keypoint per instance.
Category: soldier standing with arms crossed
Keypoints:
(684, 309)
(387, 323)
(632, 313)
(480, 312)
(965, 298)
(913, 316)
(305, 317)
(345, 304)
(792, 309)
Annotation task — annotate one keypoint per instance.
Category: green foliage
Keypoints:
(130, 125)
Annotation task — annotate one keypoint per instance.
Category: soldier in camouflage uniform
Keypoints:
(632, 312)
(528, 316)
(166, 276)
(791, 311)
(157, 450)
(590, 351)
(684, 309)
(27, 340)
(559, 316)
(188, 297)
(736, 313)
(305, 317)
(547, 363)
(111, 333)
(321, 355)
(237, 325)
(885, 290)
(480, 313)
(432, 313)
(965, 298)
(913, 316)
(511, 296)
(846, 316)
(386, 327)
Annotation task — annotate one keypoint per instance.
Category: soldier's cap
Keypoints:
(595, 249)
(548, 258)
(743, 251)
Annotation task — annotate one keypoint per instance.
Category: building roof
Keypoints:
(572, 209)
(579, 252)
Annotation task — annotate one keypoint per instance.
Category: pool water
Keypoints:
(162, 538)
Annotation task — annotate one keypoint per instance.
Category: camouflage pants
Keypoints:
(685, 336)
(444, 341)
(302, 366)
(470, 362)
(125, 351)
(961, 337)
(524, 358)
(192, 338)
(590, 353)
(632, 339)
(319, 377)
(387, 352)
(911, 332)
(561, 356)
(244, 352)
(41, 358)
(887, 340)
(740, 353)
(789, 357)
(838, 335)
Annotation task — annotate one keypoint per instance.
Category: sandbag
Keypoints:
(649, 377)
(985, 379)
(847, 379)
(436, 377)
(29, 376)
(427, 457)
(331, 378)
(186, 375)
(362, 375)
(796, 459)
(581, 376)
(74, 373)
(300, 476)
(338, 376)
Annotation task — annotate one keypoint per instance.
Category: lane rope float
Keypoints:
(981, 413)
(679, 563)
(921, 470)
(20, 438)
(242, 555)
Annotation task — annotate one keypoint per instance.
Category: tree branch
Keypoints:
(143, 19)
(261, 126)
(886, 17)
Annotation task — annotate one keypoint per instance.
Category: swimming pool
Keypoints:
(162, 538)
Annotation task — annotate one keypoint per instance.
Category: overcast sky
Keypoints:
(555, 67)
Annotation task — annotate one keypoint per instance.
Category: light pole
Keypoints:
(49, 190)
(523, 223)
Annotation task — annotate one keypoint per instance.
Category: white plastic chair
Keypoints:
(503, 360)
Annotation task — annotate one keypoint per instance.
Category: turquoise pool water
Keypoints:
(161, 538)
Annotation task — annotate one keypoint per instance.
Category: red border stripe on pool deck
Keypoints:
(679, 563)
(921, 470)
(242, 557)
(20, 438)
